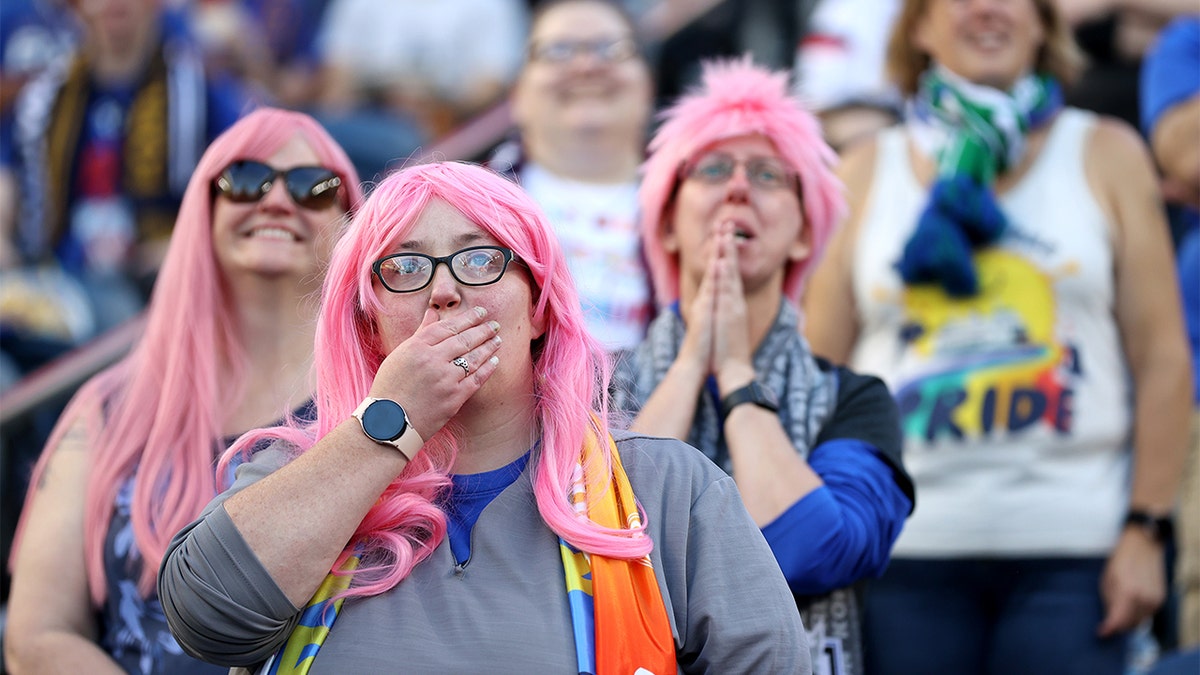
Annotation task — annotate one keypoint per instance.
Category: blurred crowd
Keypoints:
(108, 106)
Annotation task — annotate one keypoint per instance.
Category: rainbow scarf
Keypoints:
(617, 612)
(296, 655)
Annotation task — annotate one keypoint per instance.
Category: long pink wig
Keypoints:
(164, 404)
(570, 369)
(736, 98)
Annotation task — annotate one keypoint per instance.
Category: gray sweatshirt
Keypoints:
(506, 609)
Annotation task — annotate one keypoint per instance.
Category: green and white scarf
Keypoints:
(976, 133)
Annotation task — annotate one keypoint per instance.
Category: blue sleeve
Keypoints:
(1170, 70)
(844, 531)
(866, 412)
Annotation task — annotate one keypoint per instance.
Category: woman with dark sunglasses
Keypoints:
(227, 347)
(459, 505)
(737, 199)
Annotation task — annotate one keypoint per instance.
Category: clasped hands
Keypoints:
(717, 337)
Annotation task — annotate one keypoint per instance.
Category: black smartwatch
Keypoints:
(752, 393)
(1160, 528)
(383, 421)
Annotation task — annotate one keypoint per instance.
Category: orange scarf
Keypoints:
(632, 631)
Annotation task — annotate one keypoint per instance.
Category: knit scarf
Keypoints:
(784, 363)
(976, 133)
(618, 616)
(807, 398)
(165, 132)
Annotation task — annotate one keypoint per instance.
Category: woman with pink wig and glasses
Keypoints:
(459, 504)
(737, 199)
(227, 348)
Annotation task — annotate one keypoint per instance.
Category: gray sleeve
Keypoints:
(740, 615)
(221, 604)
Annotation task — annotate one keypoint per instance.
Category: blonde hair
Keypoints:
(1058, 56)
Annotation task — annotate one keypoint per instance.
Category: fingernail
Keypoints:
(481, 312)
(497, 339)
(494, 324)
(494, 360)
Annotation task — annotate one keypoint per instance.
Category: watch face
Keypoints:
(384, 420)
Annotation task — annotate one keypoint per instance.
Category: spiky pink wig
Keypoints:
(163, 406)
(736, 98)
(570, 369)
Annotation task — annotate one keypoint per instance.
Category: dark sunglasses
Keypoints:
(247, 181)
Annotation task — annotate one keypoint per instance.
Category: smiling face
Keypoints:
(768, 222)
(441, 230)
(585, 93)
(989, 42)
(274, 236)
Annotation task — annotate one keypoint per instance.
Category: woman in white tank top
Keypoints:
(1006, 270)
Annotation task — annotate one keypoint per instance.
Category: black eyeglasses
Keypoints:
(247, 181)
(474, 266)
(717, 168)
(608, 50)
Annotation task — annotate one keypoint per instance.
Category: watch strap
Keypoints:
(1160, 528)
(751, 393)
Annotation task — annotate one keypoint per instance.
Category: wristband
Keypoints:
(752, 393)
(1159, 528)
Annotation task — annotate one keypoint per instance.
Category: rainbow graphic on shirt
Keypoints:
(992, 362)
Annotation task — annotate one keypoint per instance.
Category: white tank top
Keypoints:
(1016, 404)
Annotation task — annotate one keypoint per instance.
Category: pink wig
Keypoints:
(570, 369)
(163, 406)
(736, 98)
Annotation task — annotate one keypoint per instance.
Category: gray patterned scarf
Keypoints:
(807, 396)
(783, 363)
